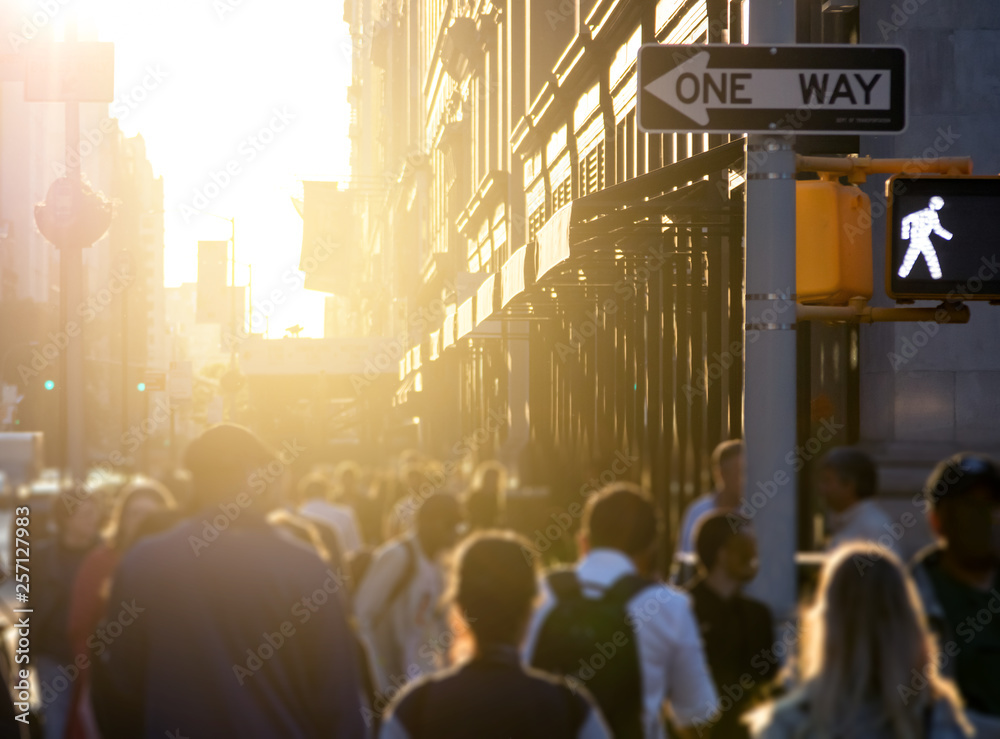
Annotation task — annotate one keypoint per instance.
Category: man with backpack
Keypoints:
(397, 603)
(632, 641)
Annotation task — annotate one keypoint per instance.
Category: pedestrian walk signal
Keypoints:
(917, 229)
(943, 240)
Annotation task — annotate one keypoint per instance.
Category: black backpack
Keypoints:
(592, 640)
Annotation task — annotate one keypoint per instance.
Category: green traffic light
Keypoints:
(142, 387)
(49, 384)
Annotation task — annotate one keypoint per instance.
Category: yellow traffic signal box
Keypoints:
(833, 243)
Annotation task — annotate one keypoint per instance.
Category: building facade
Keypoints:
(569, 290)
(928, 391)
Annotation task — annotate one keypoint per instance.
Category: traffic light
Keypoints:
(141, 387)
(833, 243)
(49, 384)
(942, 241)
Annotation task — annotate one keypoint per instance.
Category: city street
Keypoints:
(485, 368)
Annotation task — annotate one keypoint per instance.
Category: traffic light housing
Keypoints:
(833, 243)
(943, 241)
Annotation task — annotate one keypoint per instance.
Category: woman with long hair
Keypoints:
(869, 664)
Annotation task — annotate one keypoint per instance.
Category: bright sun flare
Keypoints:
(238, 102)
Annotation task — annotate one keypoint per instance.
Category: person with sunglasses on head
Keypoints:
(959, 580)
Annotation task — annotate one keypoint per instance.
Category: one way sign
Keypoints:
(762, 89)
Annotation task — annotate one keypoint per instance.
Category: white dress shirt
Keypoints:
(340, 517)
(863, 521)
(699, 507)
(671, 655)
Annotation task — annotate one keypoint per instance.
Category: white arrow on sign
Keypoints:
(692, 88)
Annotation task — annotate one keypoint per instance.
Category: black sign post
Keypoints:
(826, 88)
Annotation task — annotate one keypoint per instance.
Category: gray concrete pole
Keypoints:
(769, 413)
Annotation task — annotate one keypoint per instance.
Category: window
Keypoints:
(592, 170)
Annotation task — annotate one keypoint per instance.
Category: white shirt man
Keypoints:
(340, 517)
(727, 475)
(847, 483)
(863, 521)
(699, 507)
(671, 655)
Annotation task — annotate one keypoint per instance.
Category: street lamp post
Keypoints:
(72, 218)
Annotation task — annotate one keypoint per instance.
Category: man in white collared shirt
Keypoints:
(847, 483)
(727, 477)
(618, 539)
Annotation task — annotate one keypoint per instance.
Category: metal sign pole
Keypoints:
(71, 295)
(769, 413)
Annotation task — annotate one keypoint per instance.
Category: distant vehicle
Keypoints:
(39, 496)
(21, 455)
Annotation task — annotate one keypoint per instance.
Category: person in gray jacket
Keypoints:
(869, 663)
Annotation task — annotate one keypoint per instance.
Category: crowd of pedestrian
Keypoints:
(399, 603)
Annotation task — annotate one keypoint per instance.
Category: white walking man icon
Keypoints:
(917, 227)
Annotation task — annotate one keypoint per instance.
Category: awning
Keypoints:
(435, 345)
(473, 286)
(486, 299)
(616, 221)
(466, 320)
(553, 239)
(644, 188)
(677, 190)
(448, 327)
(514, 277)
(585, 248)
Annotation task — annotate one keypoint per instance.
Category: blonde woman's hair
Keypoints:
(867, 643)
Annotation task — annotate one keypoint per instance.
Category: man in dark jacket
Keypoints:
(959, 581)
(737, 630)
(231, 626)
